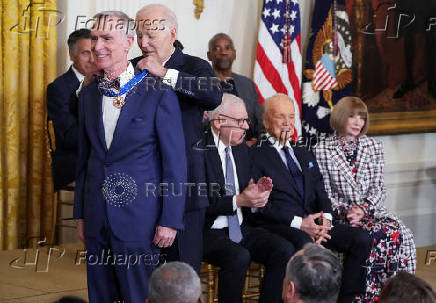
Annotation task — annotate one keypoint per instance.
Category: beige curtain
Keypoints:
(27, 65)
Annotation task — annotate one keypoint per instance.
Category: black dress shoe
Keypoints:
(404, 88)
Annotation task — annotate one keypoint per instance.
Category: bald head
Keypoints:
(279, 117)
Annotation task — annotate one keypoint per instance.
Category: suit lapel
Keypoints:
(362, 158)
(133, 102)
(338, 157)
(213, 159)
(277, 161)
(95, 101)
(176, 59)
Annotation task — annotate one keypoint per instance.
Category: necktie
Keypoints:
(234, 228)
(295, 171)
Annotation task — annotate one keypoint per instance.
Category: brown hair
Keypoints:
(346, 107)
(405, 288)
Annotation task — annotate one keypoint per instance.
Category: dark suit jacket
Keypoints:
(285, 202)
(197, 90)
(148, 148)
(247, 92)
(65, 125)
(220, 203)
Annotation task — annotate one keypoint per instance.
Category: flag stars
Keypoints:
(274, 28)
(268, 1)
(276, 14)
(279, 1)
(295, 2)
(293, 15)
(266, 12)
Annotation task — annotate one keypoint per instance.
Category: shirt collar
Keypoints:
(163, 64)
(275, 143)
(218, 143)
(78, 74)
(125, 76)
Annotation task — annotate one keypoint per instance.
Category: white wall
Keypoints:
(410, 159)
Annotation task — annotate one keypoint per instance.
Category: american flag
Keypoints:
(325, 74)
(278, 66)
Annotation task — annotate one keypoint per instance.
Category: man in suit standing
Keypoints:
(299, 208)
(130, 167)
(198, 90)
(229, 241)
(63, 113)
(222, 53)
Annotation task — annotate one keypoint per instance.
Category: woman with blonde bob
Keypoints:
(352, 166)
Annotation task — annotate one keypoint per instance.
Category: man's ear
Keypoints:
(173, 33)
(291, 291)
(130, 39)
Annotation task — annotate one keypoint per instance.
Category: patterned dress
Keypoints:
(353, 176)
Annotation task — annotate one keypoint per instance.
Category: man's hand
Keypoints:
(354, 215)
(152, 65)
(164, 236)
(324, 235)
(80, 230)
(264, 184)
(252, 196)
(314, 230)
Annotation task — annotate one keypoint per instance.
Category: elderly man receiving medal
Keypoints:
(130, 142)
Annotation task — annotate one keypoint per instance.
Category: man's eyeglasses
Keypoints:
(239, 122)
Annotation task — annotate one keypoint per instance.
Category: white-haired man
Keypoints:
(229, 241)
(130, 139)
(193, 80)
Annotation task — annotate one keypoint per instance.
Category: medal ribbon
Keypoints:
(126, 87)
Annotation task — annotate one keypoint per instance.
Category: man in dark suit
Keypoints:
(222, 53)
(130, 167)
(298, 207)
(229, 242)
(194, 83)
(63, 113)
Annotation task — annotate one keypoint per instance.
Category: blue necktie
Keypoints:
(234, 228)
(295, 171)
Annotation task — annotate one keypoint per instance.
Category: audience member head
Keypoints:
(175, 282)
(406, 288)
(156, 30)
(70, 299)
(112, 37)
(230, 120)
(350, 117)
(313, 275)
(221, 52)
(79, 45)
(279, 117)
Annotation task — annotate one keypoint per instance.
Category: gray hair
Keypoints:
(265, 106)
(168, 14)
(316, 274)
(228, 100)
(174, 282)
(124, 24)
(219, 36)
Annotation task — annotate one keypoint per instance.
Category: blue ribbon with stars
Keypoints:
(126, 87)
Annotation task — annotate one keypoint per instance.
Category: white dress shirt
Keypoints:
(221, 221)
(110, 112)
(296, 222)
(79, 76)
(171, 75)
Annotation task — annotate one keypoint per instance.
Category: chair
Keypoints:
(61, 220)
(253, 280)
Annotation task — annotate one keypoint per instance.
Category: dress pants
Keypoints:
(353, 242)
(234, 259)
(119, 271)
(188, 245)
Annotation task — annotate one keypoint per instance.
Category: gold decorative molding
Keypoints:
(402, 123)
(199, 7)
